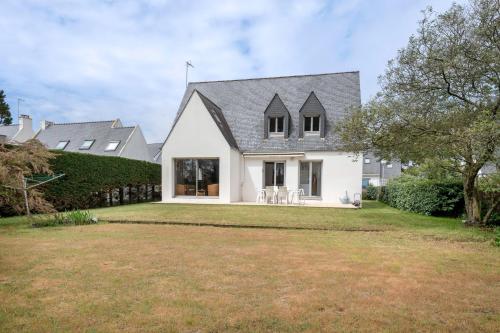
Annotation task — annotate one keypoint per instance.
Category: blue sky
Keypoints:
(104, 59)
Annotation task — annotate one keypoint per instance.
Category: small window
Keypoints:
(112, 145)
(86, 144)
(389, 165)
(276, 125)
(311, 124)
(367, 161)
(62, 144)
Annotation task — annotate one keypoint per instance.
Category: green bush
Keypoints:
(86, 176)
(429, 197)
(60, 219)
(372, 192)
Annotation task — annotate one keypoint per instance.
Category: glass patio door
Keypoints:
(310, 178)
(274, 173)
(197, 177)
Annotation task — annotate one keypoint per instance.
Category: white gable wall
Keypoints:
(195, 135)
(136, 146)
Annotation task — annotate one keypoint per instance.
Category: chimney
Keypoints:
(46, 124)
(25, 122)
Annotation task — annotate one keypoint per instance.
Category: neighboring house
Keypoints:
(107, 138)
(20, 132)
(232, 138)
(155, 152)
(377, 172)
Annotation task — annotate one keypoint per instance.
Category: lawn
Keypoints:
(415, 274)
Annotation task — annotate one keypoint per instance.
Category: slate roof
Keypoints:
(100, 131)
(155, 151)
(373, 169)
(243, 102)
(9, 130)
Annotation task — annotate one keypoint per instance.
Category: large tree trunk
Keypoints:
(471, 199)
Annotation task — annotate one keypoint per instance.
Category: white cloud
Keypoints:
(92, 60)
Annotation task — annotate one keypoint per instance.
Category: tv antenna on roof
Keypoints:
(18, 101)
(188, 64)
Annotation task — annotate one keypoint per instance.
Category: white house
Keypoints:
(230, 139)
(20, 132)
(107, 138)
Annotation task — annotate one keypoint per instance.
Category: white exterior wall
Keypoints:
(136, 147)
(340, 173)
(195, 135)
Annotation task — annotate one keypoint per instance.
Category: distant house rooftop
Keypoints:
(96, 137)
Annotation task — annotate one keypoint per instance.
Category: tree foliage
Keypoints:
(5, 116)
(439, 98)
(17, 162)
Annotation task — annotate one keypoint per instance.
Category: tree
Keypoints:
(439, 98)
(5, 116)
(17, 162)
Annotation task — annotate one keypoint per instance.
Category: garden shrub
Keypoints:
(371, 192)
(86, 176)
(429, 197)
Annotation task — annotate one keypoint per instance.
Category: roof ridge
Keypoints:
(9, 125)
(276, 77)
(85, 122)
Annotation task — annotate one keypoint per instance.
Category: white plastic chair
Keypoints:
(282, 194)
(270, 194)
(261, 196)
(298, 195)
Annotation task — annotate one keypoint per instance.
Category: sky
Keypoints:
(90, 60)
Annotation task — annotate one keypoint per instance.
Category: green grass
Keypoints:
(374, 216)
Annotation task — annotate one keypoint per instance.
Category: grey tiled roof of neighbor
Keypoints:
(373, 168)
(243, 102)
(154, 149)
(100, 131)
(9, 130)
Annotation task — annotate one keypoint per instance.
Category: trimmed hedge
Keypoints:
(88, 175)
(429, 197)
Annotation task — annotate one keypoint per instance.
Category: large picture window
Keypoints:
(310, 178)
(197, 177)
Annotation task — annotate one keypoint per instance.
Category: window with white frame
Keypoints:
(367, 161)
(86, 144)
(311, 124)
(276, 125)
(112, 145)
(62, 144)
(389, 165)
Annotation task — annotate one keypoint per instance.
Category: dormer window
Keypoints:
(275, 125)
(62, 144)
(86, 144)
(312, 117)
(276, 119)
(311, 125)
